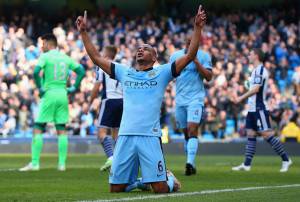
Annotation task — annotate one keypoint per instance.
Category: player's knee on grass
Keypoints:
(39, 128)
(160, 187)
(115, 188)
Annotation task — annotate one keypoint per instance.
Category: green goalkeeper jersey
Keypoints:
(56, 66)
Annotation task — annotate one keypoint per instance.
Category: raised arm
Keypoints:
(193, 48)
(97, 59)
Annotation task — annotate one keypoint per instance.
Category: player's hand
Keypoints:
(200, 18)
(71, 89)
(41, 92)
(237, 100)
(81, 22)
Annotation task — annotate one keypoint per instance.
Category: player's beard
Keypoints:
(142, 61)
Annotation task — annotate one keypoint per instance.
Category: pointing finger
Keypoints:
(85, 16)
(200, 9)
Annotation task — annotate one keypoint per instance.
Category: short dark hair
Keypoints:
(112, 51)
(294, 118)
(260, 54)
(50, 38)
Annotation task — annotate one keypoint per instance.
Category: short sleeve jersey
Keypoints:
(260, 77)
(143, 93)
(189, 85)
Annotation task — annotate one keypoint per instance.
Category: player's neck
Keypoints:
(51, 49)
(257, 63)
(142, 67)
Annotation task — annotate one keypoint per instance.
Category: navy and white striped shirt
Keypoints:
(260, 77)
(112, 89)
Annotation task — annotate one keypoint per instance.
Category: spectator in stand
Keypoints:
(9, 125)
(291, 132)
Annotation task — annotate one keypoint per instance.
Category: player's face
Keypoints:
(45, 46)
(252, 57)
(145, 53)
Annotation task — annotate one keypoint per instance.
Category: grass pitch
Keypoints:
(84, 181)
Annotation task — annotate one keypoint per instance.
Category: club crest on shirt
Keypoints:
(257, 80)
(152, 74)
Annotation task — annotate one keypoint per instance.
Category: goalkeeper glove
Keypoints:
(71, 89)
(41, 92)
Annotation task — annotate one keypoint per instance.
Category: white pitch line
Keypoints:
(193, 193)
(44, 168)
(8, 169)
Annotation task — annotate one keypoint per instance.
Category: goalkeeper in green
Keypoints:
(54, 100)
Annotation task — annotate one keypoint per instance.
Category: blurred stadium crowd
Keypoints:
(228, 38)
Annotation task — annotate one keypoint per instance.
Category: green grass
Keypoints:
(83, 181)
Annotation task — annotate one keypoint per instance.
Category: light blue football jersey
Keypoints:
(189, 84)
(143, 93)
